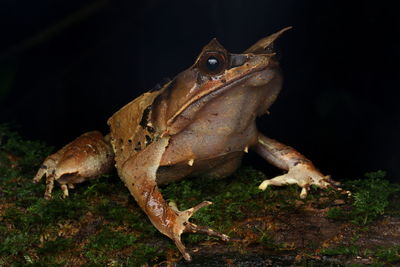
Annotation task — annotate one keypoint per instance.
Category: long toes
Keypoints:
(201, 205)
(193, 228)
(181, 247)
(189, 212)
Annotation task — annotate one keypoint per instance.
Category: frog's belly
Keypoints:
(197, 146)
(219, 167)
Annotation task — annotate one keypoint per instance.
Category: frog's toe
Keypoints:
(39, 175)
(49, 187)
(193, 228)
(181, 247)
(65, 191)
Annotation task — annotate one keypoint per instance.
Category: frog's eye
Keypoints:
(212, 63)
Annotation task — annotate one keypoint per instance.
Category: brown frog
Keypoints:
(201, 122)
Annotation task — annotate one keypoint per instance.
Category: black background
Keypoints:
(66, 66)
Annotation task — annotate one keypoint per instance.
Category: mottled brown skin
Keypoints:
(90, 151)
(199, 123)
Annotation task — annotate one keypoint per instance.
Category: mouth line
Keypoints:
(215, 92)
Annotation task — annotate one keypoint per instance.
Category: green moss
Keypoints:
(142, 255)
(117, 214)
(27, 155)
(336, 213)
(370, 199)
(56, 246)
(16, 243)
(103, 248)
(108, 240)
(232, 198)
(49, 212)
(123, 237)
(341, 250)
(381, 256)
(388, 255)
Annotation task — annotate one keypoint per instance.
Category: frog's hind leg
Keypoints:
(301, 171)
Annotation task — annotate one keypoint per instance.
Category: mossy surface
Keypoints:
(101, 225)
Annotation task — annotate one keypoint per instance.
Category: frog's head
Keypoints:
(215, 71)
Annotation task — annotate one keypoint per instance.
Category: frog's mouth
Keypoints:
(261, 74)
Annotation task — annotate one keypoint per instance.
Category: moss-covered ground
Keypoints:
(101, 225)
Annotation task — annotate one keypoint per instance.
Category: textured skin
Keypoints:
(87, 157)
(201, 122)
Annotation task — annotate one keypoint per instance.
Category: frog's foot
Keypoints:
(48, 170)
(182, 225)
(304, 175)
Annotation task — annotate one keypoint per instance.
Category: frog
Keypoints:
(201, 122)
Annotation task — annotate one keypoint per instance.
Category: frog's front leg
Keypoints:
(139, 175)
(301, 171)
(87, 157)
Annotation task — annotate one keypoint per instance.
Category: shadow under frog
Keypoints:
(201, 122)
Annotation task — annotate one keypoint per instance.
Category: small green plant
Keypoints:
(388, 255)
(370, 198)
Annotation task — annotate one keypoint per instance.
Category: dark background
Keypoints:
(68, 65)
